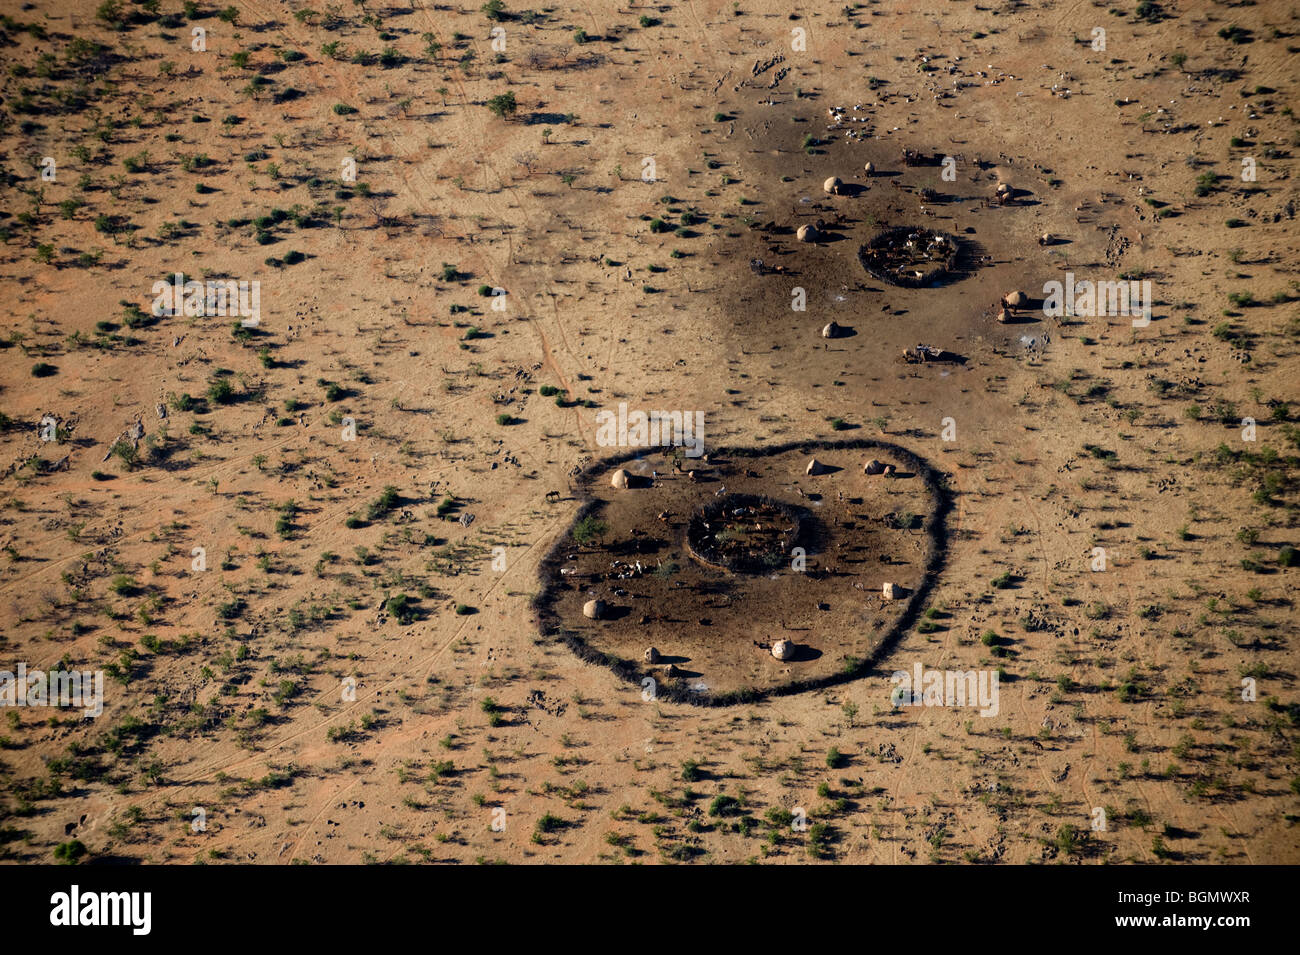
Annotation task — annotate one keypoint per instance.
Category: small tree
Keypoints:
(503, 105)
(588, 528)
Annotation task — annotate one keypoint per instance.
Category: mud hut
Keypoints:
(832, 186)
(652, 655)
(807, 233)
(814, 467)
(873, 467)
(594, 609)
(869, 169)
(1015, 299)
(783, 649)
(831, 330)
(620, 478)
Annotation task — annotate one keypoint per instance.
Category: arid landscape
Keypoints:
(316, 315)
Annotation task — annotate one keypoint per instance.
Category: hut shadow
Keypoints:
(843, 331)
(803, 654)
(1031, 305)
(826, 469)
(615, 612)
(666, 659)
(1021, 197)
(850, 190)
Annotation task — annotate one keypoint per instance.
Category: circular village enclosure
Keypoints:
(691, 571)
(911, 257)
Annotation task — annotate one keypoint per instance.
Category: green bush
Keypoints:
(221, 392)
(503, 105)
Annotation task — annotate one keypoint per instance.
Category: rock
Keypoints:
(620, 478)
(873, 467)
(651, 655)
(593, 609)
(889, 591)
(783, 649)
(832, 330)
